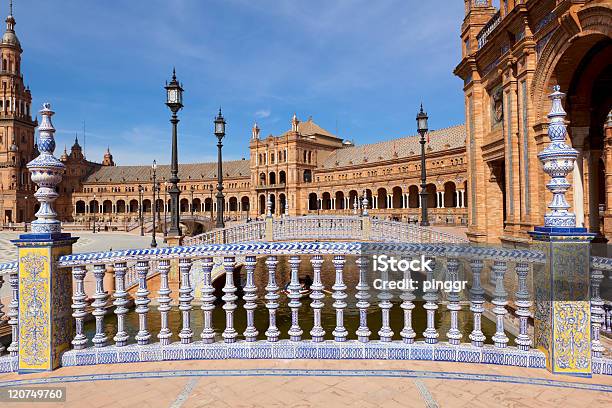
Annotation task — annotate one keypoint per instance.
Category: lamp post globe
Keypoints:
(174, 101)
(220, 133)
(422, 128)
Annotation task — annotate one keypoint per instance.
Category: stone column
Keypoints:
(562, 319)
(441, 199)
(607, 156)
(46, 326)
(579, 135)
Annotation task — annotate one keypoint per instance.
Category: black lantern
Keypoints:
(422, 121)
(220, 125)
(174, 94)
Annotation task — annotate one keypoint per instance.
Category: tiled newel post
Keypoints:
(45, 291)
(562, 311)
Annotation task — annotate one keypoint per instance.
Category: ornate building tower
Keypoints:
(17, 146)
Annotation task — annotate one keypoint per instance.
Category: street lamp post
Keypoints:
(140, 215)
(220, 133)
(165, 208)
(422, 129)
(94, 213)
(191, 189)
(174, 101)
(25, 219)
(154, 167)
(211, 203)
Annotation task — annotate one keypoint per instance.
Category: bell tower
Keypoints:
(17, 145)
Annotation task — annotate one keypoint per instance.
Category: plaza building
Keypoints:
(513, 55)
(305, 170)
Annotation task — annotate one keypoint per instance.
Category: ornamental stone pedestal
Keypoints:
(45, 290)
(562, 316)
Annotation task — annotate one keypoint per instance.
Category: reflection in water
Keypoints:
(283, 314)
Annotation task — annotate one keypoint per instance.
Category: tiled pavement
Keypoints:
(313, 383)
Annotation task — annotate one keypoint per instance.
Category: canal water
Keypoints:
(283, 314)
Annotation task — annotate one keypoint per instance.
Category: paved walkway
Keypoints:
(314, 383)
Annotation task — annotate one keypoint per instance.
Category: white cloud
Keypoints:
(263, 113)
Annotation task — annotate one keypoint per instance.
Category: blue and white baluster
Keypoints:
(185, 298)
(229, 297)
(208, 301)
(431, 305)
(477, 303)
(362, 296)
(597, 312)
(523, 303)
(142, 303)
(250, 296)
(120, 303)
(1, 313)
(295, 333)
(339, 296)
(500, 301)
(317, 333)
(454, 334)
(272, 297)
(408, 334)
(384, 296)
(78, 306)
(100, 298)
(164, 299)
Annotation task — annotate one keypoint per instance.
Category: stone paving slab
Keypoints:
(316, 383)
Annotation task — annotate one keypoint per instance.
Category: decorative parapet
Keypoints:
(487, 30)
(46, 171)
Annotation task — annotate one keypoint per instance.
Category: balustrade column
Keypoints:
(100, 297)
(431, 305)
(454, 334)
(250, 290)
(477, 303)
(78, 307)
(339, 296)
(500, 301)
(164, 300)
(229, 334)
(362, 296)
(120, 303)
(385, 332)
(408, 334)
(523, 303)
(185, 299)
(317, 333)
(295, 333)
(208, 299)
(13, 314)
(272, 297)
(597, 312)
(142, 303)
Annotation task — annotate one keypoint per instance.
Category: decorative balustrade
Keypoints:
(318, 228)
(249, 232)
(453, 262)
(395, 231)
(325, 227)
(487, 30)
(9, 274)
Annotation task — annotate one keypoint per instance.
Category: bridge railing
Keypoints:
(318, 228)
(450, 262)
(249, 232)
(324, 227)
(9, 274)
(395, 231)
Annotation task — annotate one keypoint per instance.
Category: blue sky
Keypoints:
(359, 67)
